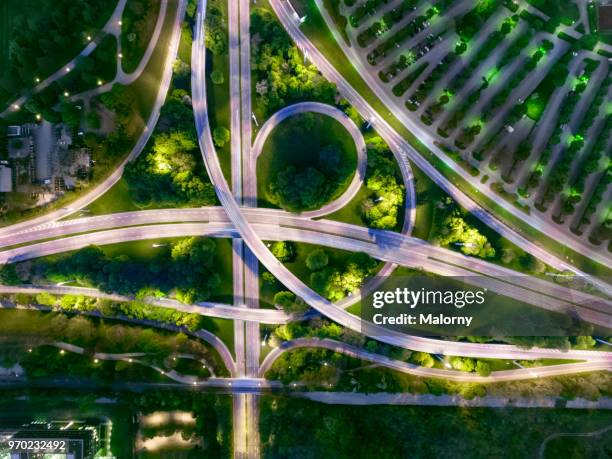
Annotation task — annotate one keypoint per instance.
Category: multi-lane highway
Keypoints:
(251, 227)
(279, 225)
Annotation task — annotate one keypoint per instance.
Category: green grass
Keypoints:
(333, 7)
(317, 31)
(504, 315)
(352, 211)
(138, 26)
(116, 199)
(147, 86)
(218, 96)
(290, 145)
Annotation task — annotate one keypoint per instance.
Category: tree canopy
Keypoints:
(187, 267)
(277, 63)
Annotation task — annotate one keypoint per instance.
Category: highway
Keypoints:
(250, 227)
(327, 308)
(384, 245)
(342, 317)
(291, 23)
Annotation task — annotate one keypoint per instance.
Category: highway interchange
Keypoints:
(251, 227)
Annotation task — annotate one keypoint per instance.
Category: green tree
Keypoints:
(284, 251)
(289, 302)
(483, 368)
(216, 76)
(423, 359)
(8, 275)
(317, 259)
(221, 136)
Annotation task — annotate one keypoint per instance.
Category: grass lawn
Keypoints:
(505, 315)
(116, 199)
(317, 31)
(352, 212)
(333, 7)
(219, 107)
(290, 144)
(137, 26)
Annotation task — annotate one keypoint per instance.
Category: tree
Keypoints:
(463, 364)
(221, 136)
(423, 359)
(483, 368)
(284, 251)
(70, 114)
(8, 275)
(289, 302)
(455, 231)
(317, 259)
(181, 69)
(216, 76)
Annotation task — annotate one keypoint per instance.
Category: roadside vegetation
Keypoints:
(187, 268)
(280, 74)
(40, 41)
(413, 431)
(33, 334)
(332, 273)
(217, 81)
(137, 26)
(170, 172)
